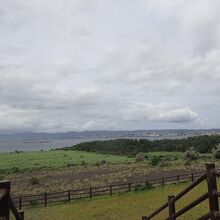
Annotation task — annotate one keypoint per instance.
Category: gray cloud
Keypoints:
(74, 65)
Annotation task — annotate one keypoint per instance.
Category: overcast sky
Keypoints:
(109, 64)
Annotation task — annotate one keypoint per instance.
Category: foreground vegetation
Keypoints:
(127, 206)
(203, 144)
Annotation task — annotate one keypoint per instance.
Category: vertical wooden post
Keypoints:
(90, 192)
(5, 187)
(69, 196)
(171, 207)
(162, 181)
(110, 190)
(20, 203)
(212, 187)
(192, 177)
(45, 199)
(21, 213)
(129, 187)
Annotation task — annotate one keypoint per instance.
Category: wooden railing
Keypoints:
(212, 195)
(14, 203)
(6, 203)
(91, 192)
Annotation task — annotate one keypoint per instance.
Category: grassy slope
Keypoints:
(52, 159)
(15, 162)
(130, 206)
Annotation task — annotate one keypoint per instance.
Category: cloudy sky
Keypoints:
(109, 64)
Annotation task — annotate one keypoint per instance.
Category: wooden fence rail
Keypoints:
(69, 195)
(212, 195)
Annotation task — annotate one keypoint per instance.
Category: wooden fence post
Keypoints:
(21, 213)
(5, 187)
(110, 190)
(69, 196)
(129, 187)
(171, 207)
(212, 187)
(162, 181)
(45, 199)
(90, 192)
(20, 203)
(192, 177)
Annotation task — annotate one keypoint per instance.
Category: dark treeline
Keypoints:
(204, 144)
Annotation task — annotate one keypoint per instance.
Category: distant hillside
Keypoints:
(64, 135)
(203, 144)
(174, 133)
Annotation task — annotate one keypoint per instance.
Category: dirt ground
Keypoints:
(87, 176)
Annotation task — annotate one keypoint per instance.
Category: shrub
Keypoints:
(165, 163)
(34, 180)
(140, 157)
(191, 154)
(155, 160)
(97, 163)
(83, 163)
(140, 187)
(71, 164)
(216, 151)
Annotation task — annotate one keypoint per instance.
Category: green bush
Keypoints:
(191, 154)
(71, 164)
(140, 187)
(140, 157)
(83, 163)
(165, 163)
(97, 163)
(155, 160)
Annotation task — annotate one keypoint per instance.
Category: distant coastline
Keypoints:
(45, 141)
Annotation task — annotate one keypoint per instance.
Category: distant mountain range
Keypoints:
(111, 134)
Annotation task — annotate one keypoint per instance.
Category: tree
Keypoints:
(216, 151)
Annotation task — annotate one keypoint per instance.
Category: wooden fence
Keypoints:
(69, 195)
(212, 195)
(6, 203)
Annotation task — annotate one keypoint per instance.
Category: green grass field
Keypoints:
(23, 161)
(127, 206)
(27, 161)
